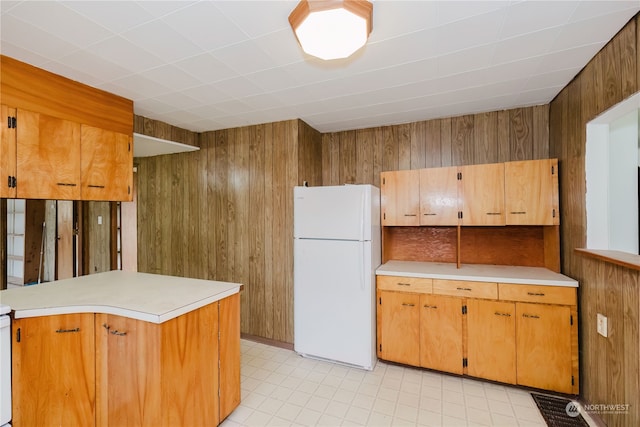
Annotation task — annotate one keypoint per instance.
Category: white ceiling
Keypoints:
(207, 65)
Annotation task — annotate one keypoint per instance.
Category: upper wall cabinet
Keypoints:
(400, 197)
(48, 157)
(62, 139)
(482, 194)
(531, 192)
(512, 193)
(439, 196)
(7, 153)
(106, 164)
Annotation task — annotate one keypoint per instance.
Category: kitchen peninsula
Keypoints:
(125, 348)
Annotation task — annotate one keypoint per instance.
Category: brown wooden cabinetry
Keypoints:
(399, 327)
(511, 333)
(172, 364)
(53, 372)
(48, 157)
(439, 196)
(491, 340)
(400, 197)
(110, 370)
(482, 194)
(441, 333)
(107, 159)
(44, 119)
(544, 339)
(7, 152)
(531, 192)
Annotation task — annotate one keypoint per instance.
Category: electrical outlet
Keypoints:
(99, 219)
(602, 325)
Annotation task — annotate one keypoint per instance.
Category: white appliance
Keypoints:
(5, 366)
(337, 249)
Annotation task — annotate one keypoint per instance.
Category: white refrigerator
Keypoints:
(337, 249)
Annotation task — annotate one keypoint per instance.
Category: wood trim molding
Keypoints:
(623, 259)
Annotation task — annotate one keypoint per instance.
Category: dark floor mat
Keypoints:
(556, 412)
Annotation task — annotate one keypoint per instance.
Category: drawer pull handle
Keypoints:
(497, 313)
(404, 284)
(464, 289)
(95, 186)
(64, 331)
(530, 316)
(65, 184)
(430, 214)
(408, 304)
(114, 332)
(494, 213)
(410, 215)
(518, 213)
(430, 306)
(536, 294)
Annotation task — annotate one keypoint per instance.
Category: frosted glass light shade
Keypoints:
(331, 29)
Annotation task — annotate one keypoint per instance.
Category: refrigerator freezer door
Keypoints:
(334, 300)
(333, 212)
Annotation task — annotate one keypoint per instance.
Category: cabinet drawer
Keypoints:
(406, 284)
(461, 288)
(537, 293)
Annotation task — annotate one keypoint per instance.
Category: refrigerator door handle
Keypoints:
(362, 215)
(363, 270)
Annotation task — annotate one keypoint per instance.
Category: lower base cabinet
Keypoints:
(441, 333)
(510, 341)
(544, 340)
(400, 312)
(53, 371)
(108, 370)
(491, 340)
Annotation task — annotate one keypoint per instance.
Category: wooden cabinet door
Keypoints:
(54, 371)
(491, 340)
(439, 196)
(48, 157)
(544, 346)
(107, 165)
(482, 194)
(531, 192)
(158, 374)
(400, 197)
(7, 152)
(399, 327)
(441, 333)
(128, 372)
(229, 355)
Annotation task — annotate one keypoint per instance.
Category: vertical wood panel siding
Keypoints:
(609, 367)
(225, 212)
(358, 157)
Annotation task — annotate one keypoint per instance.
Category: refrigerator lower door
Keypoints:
(334, 301)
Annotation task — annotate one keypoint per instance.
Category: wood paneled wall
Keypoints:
(610, 367)
(358, 156)
(225, 212)
(159, 129)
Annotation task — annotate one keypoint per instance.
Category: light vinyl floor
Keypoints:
(281, 388)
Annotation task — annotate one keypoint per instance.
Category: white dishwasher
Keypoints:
(5, 366)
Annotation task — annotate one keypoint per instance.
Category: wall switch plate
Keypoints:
(602, 325)
(99, 219)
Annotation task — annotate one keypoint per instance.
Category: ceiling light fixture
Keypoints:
(332, 29)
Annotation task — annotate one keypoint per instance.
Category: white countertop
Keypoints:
(150, 297)
(476, 273)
